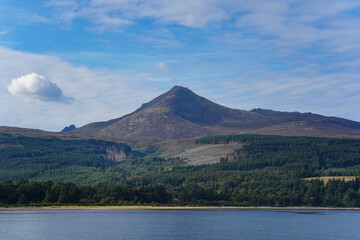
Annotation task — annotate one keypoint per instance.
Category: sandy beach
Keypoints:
(57, 208)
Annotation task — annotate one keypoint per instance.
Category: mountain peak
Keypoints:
(177, 88)
(174, 93)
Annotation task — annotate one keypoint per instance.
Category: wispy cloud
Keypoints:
(162, 66)
(160, 38)
(102, 17)
(107, 13)
(328, 25)
(3, 32)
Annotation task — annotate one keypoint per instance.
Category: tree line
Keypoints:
(335, 193)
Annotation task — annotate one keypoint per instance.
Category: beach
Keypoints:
(67, 208)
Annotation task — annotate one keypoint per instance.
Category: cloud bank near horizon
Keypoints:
(35, 86)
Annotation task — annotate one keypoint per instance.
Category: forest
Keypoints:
(79, 161)
(266, 171)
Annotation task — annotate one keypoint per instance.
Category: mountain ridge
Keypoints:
(180, 113)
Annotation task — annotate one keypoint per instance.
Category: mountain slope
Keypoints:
(180, 113)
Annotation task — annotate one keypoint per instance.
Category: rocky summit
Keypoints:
(180, 113)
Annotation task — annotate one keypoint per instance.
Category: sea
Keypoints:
(180, 224)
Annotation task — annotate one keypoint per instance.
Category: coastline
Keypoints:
(59, 208)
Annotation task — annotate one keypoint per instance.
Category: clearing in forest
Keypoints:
(327, 179)
(208, 153)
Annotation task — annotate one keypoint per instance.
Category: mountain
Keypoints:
(180, 113)
(69, 128)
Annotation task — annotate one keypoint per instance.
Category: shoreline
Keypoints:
(59, 208)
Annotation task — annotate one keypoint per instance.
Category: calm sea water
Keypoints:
(180, 224)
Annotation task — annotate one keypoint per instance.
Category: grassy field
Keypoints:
(327, 179)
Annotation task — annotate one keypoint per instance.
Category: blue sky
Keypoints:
(80, 61)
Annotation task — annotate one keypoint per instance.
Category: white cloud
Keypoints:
(36, 86)
(162, 66)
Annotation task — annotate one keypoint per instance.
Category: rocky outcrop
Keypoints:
(69, 128)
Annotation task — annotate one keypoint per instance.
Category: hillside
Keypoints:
(37, 158)
(180, 113)
(262, 171)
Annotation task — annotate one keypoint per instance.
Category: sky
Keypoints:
(68, 62)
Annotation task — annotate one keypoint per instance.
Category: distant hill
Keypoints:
(37, 133)
(180, 113)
